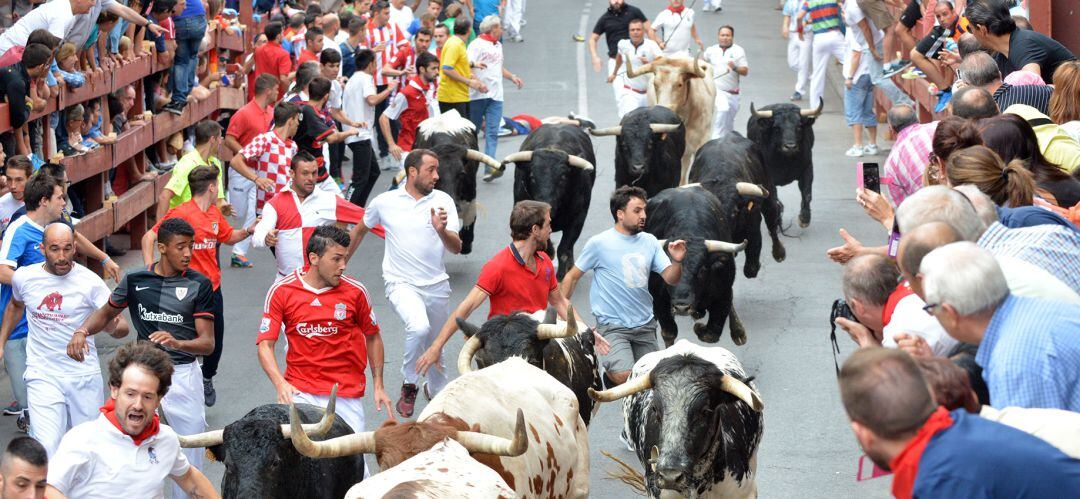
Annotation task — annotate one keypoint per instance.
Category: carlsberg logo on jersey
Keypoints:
(147, 315)
(311, 330)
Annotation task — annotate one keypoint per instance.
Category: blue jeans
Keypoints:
(487, 113)
(189, 35)
(15, 363)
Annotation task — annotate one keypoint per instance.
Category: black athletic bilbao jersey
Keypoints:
(168, 304)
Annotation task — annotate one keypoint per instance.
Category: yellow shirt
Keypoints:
(453, 57)
(178, 183)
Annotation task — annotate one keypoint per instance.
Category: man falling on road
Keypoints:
(63, 386)
(421, 225)
(729, 61)
(634, 51)
(331, 331)
(172, 306)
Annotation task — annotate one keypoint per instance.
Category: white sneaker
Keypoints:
(870, 150)
(854, 152)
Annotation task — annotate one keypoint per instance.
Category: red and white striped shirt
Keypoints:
(394, 40)
(296, 220)
(271, 155)
(402, 61)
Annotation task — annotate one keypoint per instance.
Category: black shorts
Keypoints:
(927, 42)
(911, 14)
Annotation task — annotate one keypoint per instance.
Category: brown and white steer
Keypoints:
(445, 470)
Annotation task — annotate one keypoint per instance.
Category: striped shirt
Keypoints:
(907, 162)
(390, 36)
(1030, 354)
(1052, 248)
(824, 15)
(1036, 96)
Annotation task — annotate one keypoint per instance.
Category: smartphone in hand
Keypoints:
(869, 176)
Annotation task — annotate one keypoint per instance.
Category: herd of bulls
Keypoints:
(518, 424)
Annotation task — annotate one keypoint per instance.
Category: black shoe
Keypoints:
(13, 409)
(173, 108)
(23, 423)
(113, 251)
(209, 393)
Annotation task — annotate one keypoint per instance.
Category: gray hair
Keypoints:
(489, 23)
(984, 206)
(979, 69)
(965, 276)
(901, 116)
(938, 203)
(870, 279)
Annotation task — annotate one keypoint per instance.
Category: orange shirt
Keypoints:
(210, 229)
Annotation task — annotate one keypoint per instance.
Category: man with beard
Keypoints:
(172, 306)
(289, 218)
(614, 24)
(421, 224)
(410, 106)
(623, 257)
(519, 278)
(126, 451)
(63, 390)
(929, 449)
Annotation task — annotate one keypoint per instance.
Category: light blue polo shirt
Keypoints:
(620, 290)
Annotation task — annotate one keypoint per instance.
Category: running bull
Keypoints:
(649, 146)
(446, 471)
(558, 348)
(260, 461)
(548, 456)
(453, 139)
(694, 215)
(731, 168)
(555, 165)
(694, 419)
(785, 135)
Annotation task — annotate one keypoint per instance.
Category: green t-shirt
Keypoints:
(178, 183)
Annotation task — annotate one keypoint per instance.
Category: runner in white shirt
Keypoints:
(639, 50)
(421, 225)
(673, 29)
(729, 63)
(126, 451)
(486, 108)
(63, 387)
(360, 99)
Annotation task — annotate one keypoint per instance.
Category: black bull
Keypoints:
(694, 215)
(729, 167)
(555, 165)
(649, 145)
(785, 134)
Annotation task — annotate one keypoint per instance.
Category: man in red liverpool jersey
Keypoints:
(331, 330)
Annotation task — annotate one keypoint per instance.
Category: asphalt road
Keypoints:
(808, 449)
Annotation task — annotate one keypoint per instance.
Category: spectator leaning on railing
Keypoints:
(1020, 49)
(15, 81)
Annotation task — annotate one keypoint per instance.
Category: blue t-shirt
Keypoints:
(21, 247)
(1030, 216)
(978, 458)
(620, 290)
(482, 9)
(192, 9)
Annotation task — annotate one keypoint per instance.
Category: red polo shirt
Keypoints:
(512, 286)
(250, 121)
(274, 60)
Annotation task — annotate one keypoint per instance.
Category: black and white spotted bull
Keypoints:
(649, 146)
(785, 134)
(555, 165)
(693, 214)
(731, 168)
(453, 139)
(554, 346)
(694, 420)
(260, 460)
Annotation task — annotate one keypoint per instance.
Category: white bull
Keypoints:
(446, 470)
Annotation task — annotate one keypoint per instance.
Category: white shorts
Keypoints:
(59, 403)
(350, 410)
(184, 410)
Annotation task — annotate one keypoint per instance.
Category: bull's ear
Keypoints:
(388, 423)
(216, 453)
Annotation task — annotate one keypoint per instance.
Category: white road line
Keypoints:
(582, 89)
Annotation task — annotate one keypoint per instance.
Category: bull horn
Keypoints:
(474, 155)
(661, 242)
(553, 331)
(761, 114)
(663, 127)
(687, 186)
(748, 189)
(347, 445)
(518, 157)
(743, 392)
(550, 316)
(204, 439)
(698, 71)
(601, 132)
(813, 113)
(464, 360)
(482, 443)
(579, 162)
(713, 246)
(318, 429)
(632, 386)
(632, 73)
(467, 327)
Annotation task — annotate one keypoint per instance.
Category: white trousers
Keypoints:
(350, 410)
(799, 56)
(242, 199)
(424, 310)
(616, 84)
(726, 107)
(184, 411)
(630, 100)
(826, 45)
(58, 403)
(515, 11)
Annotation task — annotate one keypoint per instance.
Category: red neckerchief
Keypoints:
(905, 466)
(488, 37)
(109, 410)
(902, 291)
(676, 10)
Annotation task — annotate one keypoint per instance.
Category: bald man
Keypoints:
(64, 386)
